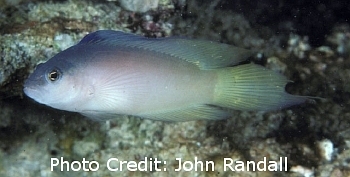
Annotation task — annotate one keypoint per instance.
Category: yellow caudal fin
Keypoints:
(252, 87)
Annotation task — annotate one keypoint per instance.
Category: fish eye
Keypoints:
(54, 75)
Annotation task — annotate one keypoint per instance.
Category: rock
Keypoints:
(139, 5)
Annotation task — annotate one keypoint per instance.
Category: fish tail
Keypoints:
(252, 87)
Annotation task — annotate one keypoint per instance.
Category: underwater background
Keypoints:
(308, 42)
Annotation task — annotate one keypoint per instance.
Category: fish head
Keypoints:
(54, 84)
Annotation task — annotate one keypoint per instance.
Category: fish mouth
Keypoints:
(29, 91)
(27, 87)
(33, 93)
(32, 85)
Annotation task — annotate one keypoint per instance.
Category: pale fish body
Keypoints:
(111, 73)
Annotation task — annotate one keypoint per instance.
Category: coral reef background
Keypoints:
(306, 41)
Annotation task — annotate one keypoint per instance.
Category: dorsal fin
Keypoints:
(204, 54)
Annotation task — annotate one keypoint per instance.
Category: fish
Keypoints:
(112, 73)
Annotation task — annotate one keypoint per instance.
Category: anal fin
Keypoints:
(197, 112)
(100, 116)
